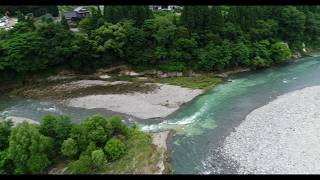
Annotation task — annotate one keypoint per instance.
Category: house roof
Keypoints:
(80, 8)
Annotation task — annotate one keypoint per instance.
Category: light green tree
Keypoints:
(28, 149)
(69, 148)
(114, 149)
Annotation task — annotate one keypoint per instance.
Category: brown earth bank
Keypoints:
(57, 91)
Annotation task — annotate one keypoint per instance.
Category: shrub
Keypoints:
(98, 129)
(280, 51)
(90, 148)
(98, 158)
(118, 126)
(57, 127)
(81, 166)
(29, 149)
(69, 148)
(38, 163)
(5, 129)
(6, 164)
(114, 149)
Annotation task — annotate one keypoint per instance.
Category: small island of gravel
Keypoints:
(282, 137)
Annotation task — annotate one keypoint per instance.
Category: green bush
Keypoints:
(280, 51)
(69, 148)
(81, 166)
(114, 149)
(29, 149)
(90, 148)
(119, 128)
(56, 127)
(6, 164)
(98, 158)
(98, 129)
(5, 129)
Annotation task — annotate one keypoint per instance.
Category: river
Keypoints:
(202, 124)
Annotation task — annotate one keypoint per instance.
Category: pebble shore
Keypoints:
(282, 137)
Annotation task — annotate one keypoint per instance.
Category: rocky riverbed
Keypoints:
(160, 102)
(282, 137)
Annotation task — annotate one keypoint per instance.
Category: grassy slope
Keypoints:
(141, 158)
(201, 82)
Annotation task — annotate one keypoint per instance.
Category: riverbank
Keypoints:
(281, 137)
(147, 155)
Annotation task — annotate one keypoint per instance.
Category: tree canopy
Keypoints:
(201, 38)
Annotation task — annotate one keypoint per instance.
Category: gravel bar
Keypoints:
(282, 137)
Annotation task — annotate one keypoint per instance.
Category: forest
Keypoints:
(200, 38)
(35, 10)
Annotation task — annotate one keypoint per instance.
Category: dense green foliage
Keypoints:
(35, 10)
(202, 38)
(69, 148)
(5, 129)
(64, 23)
(57, 128)
(114, 14)
(31, 148)
(114, 149)
(98, 158)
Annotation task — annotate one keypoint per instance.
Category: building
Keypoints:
(164, 7)
(81, 12)
(7, 23)
(77, 14)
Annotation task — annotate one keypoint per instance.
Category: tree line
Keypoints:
(35, 10)
(201, 38)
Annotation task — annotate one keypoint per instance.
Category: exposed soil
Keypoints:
(55, 91)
